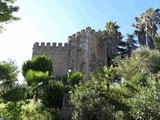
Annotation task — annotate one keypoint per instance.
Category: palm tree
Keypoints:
(152, 18)
(36, 80)
(112, 36)
(147, 26)
(140, 31)
(111, 28)
(75, 78)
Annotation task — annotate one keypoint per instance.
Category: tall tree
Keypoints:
(140, 31)
(111, 28)
(112, 31)
(7, 9)
(112, 36)
(147, 26)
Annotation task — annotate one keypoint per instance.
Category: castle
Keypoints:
(85, 51)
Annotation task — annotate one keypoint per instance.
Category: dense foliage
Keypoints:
(8, 74)
(37, 73)
(39, 63)
(52, 94)
(91, 101)
(75, 78)
(16, 94)
(128, 91)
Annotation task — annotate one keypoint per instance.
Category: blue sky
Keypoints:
(54, 20)
(58, 19)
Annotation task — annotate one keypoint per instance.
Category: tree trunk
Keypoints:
(36, 97)
(142, 38)
(151, 44)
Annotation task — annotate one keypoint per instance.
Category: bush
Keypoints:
(75, 78)
(15, 94)
(36, 112)
(39, 63)
(91, 102)
(12, 111)
(39, 112)
(52, 94)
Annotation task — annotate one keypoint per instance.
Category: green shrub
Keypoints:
(15, 94)
(38, 112)
(12, 111)
(91, 101)
(75, 78)
(39, 63)
(52, 94)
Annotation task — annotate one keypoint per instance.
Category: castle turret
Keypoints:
(84, 51)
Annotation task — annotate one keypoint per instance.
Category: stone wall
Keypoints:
(79, 52)
(58, 54)
(98, 51)
(84, 52)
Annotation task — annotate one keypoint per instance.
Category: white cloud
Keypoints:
(17, 41)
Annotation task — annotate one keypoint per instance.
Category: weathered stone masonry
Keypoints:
(84, 52)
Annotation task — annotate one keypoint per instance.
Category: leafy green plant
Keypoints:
(38, 63)
(37, 73)
(8, 74)
(12, 111)
(141, 79)
(157, 41)
(75, 78)
(145, 104)
(92, 100)
(36, 80)
(15, 94)
(52, 94)
(39, 112)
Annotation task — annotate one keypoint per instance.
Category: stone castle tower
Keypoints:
(84, 52)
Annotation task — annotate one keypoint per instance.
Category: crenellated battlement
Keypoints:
(84, 51)
(50, 45)
(82, 32)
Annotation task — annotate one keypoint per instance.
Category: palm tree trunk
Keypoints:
(151, 44)
(142, 38)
